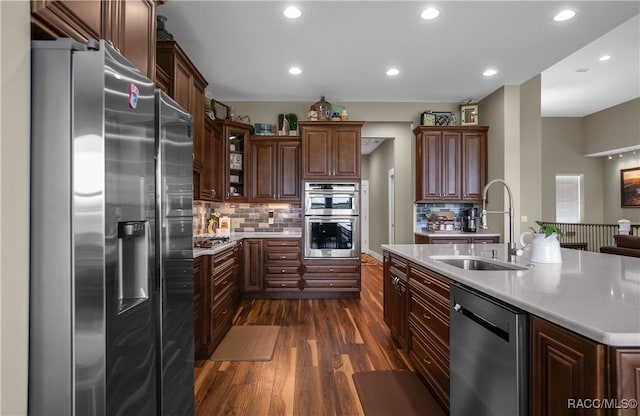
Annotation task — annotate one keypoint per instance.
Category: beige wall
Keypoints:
(614, 128)
(530, 154)
(562, 154)
(14, 204)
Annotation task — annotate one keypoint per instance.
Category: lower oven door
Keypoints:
(334, 237)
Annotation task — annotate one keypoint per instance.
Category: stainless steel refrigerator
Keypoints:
(111, 280)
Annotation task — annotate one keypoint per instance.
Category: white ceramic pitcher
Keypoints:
(543, 249)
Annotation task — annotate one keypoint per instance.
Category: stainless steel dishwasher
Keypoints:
(489, 355)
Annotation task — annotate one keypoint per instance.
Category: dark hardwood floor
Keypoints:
(322, 342)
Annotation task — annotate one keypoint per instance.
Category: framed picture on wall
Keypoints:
(630, 187)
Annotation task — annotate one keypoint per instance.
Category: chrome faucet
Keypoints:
(512, 251)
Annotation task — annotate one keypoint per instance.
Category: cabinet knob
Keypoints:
(283, 257)
(331, 270)
(284, 271)
(224, 312)
(224, 282)
(283, 284)
(331, 283)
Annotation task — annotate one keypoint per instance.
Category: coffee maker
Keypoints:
(470, 220)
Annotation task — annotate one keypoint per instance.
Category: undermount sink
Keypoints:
(477, 263)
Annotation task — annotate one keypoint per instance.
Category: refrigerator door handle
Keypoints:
(133, 264)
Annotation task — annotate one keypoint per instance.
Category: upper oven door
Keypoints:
(331, 199)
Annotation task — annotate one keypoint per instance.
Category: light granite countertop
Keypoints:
(595, 295)
(235, 237)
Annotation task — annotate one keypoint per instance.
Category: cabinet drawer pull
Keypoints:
(284, 271)
(427, 361)
(283, 284)
(425, 316)
(331, 270)
(283, 257)
(426, 281)
(224, 282)
(331, 283)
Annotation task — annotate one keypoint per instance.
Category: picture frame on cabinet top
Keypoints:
(469, 115)
(443, 118)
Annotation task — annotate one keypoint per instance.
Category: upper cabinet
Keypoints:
(234, 139)
(451, 163)
(275, 169)
(129, 25)
(331, 150)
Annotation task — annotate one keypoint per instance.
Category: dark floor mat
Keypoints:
(397, 392)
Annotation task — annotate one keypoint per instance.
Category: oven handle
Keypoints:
(331, 218)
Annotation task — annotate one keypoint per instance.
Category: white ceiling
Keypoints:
(244, 50)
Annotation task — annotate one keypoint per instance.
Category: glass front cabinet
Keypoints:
(234, 156)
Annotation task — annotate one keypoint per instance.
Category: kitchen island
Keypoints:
(585, 318)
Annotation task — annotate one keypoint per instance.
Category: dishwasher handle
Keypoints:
(485, 323)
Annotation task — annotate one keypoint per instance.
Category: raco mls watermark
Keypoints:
(602, 403)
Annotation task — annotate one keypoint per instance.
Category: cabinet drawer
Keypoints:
(485, 240)
(429, 315)
(399, 264)
(278, 256)
(331, 269)
(282, 244)
(449, 240)
(282, 270)
(432, 282)
(431, 363)
(222, 316)
(272, 284)
(329, 284)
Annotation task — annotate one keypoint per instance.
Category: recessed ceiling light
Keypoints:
(489, 72)
(605, 57)
(564, 15)
(292, 12)
(294, 70)
(430, 13)
(392, 72)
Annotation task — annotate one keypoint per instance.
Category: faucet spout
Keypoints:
(513, 251)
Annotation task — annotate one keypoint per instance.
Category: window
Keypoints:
(569, 198)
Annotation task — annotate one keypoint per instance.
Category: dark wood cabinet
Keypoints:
(624, 367)
(200, 273)
(463, 239)
(216, 295)
(179, 77)
(234, 159)
(396, 297)
(253, 258)
(282, 265)
(275, 169)
(208, 152)
(428, 334)
(129, 25)
(331, 277)
(564, 366)
(451, 163)
(331, 150)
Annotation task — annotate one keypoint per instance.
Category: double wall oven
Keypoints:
(331, 220)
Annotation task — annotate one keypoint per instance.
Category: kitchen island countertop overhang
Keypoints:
(595, 295)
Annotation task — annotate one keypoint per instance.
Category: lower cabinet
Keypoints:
(428, 317)
(396, 297)
(216, 293)
(274, 268)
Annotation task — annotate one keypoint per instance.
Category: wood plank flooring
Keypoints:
(322, 342)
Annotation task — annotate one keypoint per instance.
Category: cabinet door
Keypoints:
(252, 268)
(182, 85)
(428, 166)
(564, 367)
(451, 159)
(625, 377)
(208, 156)
(346, 153)
(263, 170)
(235, 139)
(197, 304)
(316, 159)
(474, 164)
(132, 30)
(288, 173)
(80, 20)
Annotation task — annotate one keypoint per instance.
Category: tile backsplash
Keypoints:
(422, 211)
(247, 217)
